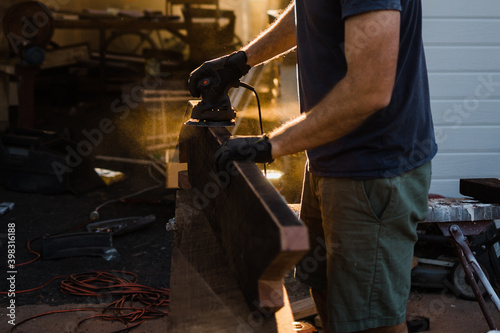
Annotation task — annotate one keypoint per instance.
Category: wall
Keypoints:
(4, 79)
(462, 44)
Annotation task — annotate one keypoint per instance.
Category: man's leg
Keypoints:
(311, 270)
(370, 230)
(320, 298)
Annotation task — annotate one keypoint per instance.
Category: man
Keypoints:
(367, 129)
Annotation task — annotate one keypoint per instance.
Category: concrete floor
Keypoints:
(449, 314)
(67, 322)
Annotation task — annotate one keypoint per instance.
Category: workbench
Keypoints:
(461, 217)
(173, 25)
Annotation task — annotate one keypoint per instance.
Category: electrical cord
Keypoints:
(37, 254)
(93, 217)
(249, 87)
(33, 289)
(143, 302)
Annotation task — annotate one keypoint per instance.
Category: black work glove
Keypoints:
(250, 148)
(226, 71)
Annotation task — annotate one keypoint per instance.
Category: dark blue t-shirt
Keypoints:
(393, 140)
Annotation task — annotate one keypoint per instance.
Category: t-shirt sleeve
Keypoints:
(353, 7)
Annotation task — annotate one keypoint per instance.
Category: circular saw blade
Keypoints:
(28, 23)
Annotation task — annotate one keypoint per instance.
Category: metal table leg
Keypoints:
(467, 260)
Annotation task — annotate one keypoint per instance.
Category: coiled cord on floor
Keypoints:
(136, 303)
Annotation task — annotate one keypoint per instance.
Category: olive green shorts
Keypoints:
(362, 234)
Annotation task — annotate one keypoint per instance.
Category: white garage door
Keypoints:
(462, 43)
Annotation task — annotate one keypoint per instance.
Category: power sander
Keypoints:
(214, 109)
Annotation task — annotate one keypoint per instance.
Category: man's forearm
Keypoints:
(338, 114)
(279, 38)
(366, 88)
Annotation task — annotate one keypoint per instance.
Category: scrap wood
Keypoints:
(303, 308)
(484, 189)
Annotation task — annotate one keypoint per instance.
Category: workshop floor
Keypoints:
(145, 252)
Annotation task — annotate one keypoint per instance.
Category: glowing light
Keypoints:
(273, 174)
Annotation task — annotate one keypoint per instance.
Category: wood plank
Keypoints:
(183, 180)
(205, 297)
(303, 308)
(460, 31)
(468, 139)
(460, 8)
(65, 56)
(261, 236)
(484, 189)
(284, 316)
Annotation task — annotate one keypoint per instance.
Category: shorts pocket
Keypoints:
(377, 194)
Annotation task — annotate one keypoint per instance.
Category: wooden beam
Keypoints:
(261, 236)
(205, 296)
(484, 189)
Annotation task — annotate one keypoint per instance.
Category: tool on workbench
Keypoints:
(215, 109)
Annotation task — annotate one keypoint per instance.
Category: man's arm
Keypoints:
(366, 88)
(279, 38)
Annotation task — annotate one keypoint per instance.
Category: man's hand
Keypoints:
(251, 148)
(226, 71)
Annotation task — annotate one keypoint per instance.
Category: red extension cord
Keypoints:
(143, 302)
